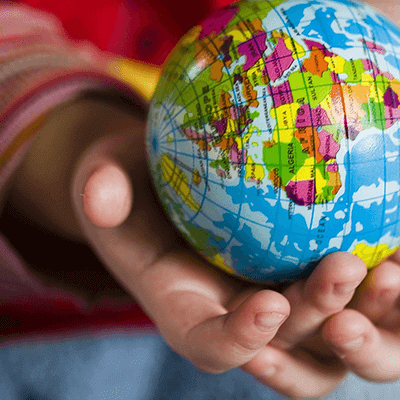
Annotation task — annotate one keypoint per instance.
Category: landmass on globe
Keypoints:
(273, 136)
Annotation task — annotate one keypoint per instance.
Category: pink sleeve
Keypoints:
(40, 68)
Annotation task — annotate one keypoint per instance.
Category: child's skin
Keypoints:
(311, 334)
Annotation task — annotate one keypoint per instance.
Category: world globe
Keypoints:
(273, 136)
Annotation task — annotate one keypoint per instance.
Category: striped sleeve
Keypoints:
(40, 69)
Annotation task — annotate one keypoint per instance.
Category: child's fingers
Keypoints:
(232, 339)
(296, 374)
(378, 297)
(370, 352)
(187, 300)
(287, 368)
(327, 291)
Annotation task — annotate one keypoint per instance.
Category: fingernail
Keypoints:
(342, 290)
(269, 321)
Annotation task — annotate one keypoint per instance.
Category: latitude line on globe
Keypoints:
(285, 200)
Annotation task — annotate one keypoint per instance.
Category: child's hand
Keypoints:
(187, 300)
(205, 315)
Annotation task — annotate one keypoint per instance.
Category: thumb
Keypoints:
(126, 231)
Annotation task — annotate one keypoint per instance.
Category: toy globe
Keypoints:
(273, 136)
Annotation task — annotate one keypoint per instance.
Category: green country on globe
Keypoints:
(273, 136)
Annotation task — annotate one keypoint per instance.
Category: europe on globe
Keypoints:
(273, 136)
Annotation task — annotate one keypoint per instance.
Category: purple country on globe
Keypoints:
(273, 136)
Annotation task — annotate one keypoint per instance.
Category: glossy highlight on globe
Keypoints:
(273, 136)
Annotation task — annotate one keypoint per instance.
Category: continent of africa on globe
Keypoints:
(273, 136)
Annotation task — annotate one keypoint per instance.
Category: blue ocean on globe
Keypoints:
(273, 136)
